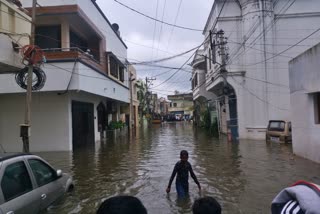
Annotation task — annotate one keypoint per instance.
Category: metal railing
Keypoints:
(73, 49)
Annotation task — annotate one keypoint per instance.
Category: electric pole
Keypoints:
(222, 42)
(148, 80)
(25, 128)
(131, 79)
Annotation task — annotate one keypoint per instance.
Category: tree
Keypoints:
(142, 93)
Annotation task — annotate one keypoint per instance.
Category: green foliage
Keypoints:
(214, 128)
(141, 93)
(116, 125)
(206, 119)
(211, 127)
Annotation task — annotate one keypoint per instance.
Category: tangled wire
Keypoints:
(32, 54)
(38, 80)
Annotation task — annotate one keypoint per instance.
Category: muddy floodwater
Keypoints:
(243, 177)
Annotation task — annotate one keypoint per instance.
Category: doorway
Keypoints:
(82, 124)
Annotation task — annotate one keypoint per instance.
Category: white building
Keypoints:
(15, 27)
(87, 80)
(305, 103)
(262, 36)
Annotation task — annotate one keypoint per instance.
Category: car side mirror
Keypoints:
(59, 173)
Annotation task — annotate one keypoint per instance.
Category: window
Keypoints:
(276, 125)
(43, 173)
(317, 108)
(290, 127)
(78, 42)
(48, 36)
(15, 181)
(196, 80)
(113, 67)
(121, 74)
(174, 104)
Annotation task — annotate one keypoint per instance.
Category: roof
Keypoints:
(7, 156)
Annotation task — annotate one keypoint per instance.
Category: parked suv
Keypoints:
(279, 131)
(29, 184)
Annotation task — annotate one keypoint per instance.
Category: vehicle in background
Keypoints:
(279, 131)
(29, 184)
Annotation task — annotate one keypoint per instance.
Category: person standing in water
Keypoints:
(182, 169)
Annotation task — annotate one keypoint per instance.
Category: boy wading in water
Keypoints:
(182, 169)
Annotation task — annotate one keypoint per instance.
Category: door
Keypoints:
(49, 186)
(19, 195)
(102, 117)
(82, 124)
(233, 124)
(135, 116)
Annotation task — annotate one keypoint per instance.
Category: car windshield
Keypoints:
(276, 126)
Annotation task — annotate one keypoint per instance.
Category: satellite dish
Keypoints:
(115, 26)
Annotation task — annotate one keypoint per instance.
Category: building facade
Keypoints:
(87, 83)
(15, 30)
(247, 62)
(134, 96)
(201, 97)
(164, 106)
(154, 104)
(181, 105)
(305, 103)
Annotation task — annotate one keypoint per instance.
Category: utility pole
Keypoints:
(223, 70)
(25, 128)
(131, 79)
(148, 80)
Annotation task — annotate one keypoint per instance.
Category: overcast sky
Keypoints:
(149, 41)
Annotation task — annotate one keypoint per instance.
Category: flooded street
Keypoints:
(243, 177)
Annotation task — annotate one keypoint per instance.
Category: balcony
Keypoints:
(73, 54)
(200, 92)
(199, 60)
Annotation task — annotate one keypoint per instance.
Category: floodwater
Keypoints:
(243, 177)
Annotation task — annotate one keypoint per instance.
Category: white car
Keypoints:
(29, 184)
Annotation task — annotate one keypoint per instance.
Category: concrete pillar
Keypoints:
(65, 35)
(257, 16)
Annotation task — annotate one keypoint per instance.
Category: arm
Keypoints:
(174, 172)
(194, 177)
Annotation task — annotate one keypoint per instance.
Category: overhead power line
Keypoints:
(157, 20)
(197, 48)
(167, 58)
(256, 96)
(302, 40)
(264, 31)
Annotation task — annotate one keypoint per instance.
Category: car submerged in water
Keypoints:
(29, 184)
(279, 131)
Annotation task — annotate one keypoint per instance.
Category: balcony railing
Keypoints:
(73, 53)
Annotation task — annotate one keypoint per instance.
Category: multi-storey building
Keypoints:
(164, 106)
(134, 96)
(181, 105)
(262, 36)
(87, 80)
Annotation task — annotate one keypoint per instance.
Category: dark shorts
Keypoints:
(182, 189)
